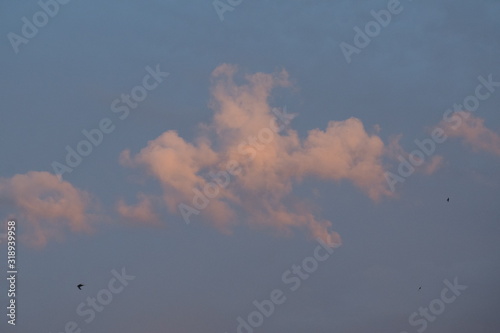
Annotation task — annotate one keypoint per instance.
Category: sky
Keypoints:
(250, 166)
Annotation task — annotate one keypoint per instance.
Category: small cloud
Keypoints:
(45, 206)
(473, 132)
(433, 165)
(141, 213)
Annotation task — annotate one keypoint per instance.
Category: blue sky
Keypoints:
(316, 151)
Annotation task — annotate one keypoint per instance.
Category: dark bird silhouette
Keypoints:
(80, 286)
(419, 287)
(448, 200)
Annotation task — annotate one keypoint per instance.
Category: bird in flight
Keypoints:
(80, 286)
(448, 200)
(419, 287)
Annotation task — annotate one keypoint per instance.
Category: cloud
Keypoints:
(45, 207)
(256, 160)
(434, 164)
(429, 165)
(142, 212)
(473, 132)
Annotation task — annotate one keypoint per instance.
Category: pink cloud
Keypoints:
(434, 164)
(142, 212)
(267, 160)
(429, 164)
(45, 207)
(473, 132)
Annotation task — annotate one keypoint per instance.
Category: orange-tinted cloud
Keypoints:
(247, 161)
(45, 207)
(428, 165)
(434, 164)
(473, 132)
(142, 212)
